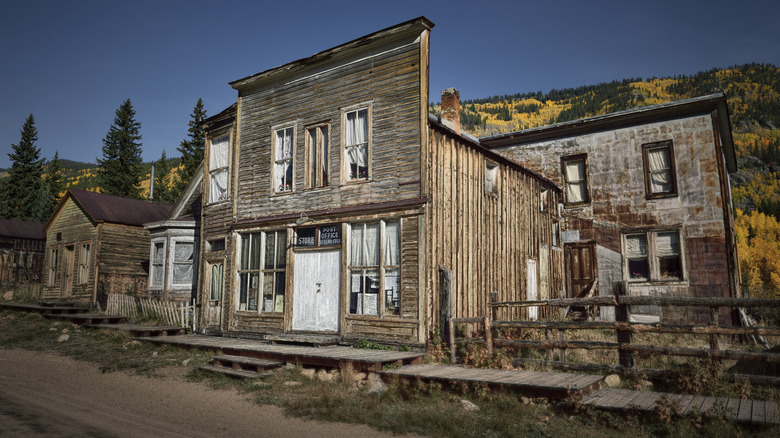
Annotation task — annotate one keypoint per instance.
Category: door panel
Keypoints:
(67, 281)
(580, 267)
(317, 291)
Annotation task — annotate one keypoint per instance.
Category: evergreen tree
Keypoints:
(54, 182)
(22, 190)
(163, 192)
(191, 148)
(121, 169)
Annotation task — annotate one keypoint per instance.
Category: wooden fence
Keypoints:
(624, 331)
(173, 313)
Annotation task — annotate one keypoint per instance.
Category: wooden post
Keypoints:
(488, 336)
(451, 341)
(550, 352)
(622, 314)
(714, 346)
(494, 311)
(445, 308)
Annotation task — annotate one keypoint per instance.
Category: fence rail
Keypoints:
(178, 314)
(623, 329)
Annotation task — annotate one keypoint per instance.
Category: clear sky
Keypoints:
(72, 63)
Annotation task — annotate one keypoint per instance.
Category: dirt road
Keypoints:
(53, 396)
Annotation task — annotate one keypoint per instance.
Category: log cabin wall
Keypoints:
(486, 236)
(620, 204)
(71, 229)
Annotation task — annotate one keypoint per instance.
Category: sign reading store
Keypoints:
(322, 235)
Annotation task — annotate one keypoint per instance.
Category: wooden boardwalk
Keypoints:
(748, 411)
(44, 310)
(330, 356)
(528, 383)
(139, 330)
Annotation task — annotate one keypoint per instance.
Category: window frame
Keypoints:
(226, 168)
(213, 281)
(278, 273)
(275, 160)
(153, 265)
(345, 147)
(54, 254)
(491, 177)
(646, 148)
(653, 257)
(566, 182)
(172, 262)
(382, 269)
(84, 262)
(317, 156)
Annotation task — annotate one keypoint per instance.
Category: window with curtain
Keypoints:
(53, 255)
(84, 263)
(660, 178)
(183, 256)
(217, 275)
(317, 156)
(262, 266)
(653, 256)
(575, 175)
(356, 144)
(158, 263)
(218, 168)
(375, 274)
(283, 160)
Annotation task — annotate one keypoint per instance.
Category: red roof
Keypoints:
(117, 210)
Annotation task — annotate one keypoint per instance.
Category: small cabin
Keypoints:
(21, 251)
(96, 245)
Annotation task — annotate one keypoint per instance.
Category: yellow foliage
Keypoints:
(758, 243)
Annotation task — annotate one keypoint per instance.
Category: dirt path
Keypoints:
(53, 396)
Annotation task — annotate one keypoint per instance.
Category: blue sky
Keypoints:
(72, 63)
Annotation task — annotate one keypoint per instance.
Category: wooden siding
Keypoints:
(73, 228)
(485, 239)
(124, 259)
(388, 82)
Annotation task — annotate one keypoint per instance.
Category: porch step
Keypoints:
(241, 366)
(89, 318)
(240, 374)
(142, 331)
(309, 340)
(45, 308)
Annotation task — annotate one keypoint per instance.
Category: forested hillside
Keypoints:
(753, 94)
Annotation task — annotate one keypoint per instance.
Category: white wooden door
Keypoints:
(532, 288)
(317, 288)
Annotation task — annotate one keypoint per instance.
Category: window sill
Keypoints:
(364, 317)
(669, 282)
(661, 195)
(217, 202)
(577, 205)
(279, 194)
(357, 182)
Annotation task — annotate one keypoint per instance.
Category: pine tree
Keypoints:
(163, 192)
(191, 148)
(121, 169)
(21, 194)
(53, 181)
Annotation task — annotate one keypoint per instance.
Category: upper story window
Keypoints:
(491, 177)
(653, 256)
(575, 176)
(317, 143)
(660, 177)
(357, 144)
(283, 159)
(218, 168)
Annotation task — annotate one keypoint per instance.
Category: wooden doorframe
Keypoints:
(569, 250)
(66, 291)
(338, 296)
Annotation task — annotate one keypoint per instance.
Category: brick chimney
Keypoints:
(450, 109)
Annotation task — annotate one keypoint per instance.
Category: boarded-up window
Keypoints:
(375, 274)
(183, 256)
(283, 159)
(218, 168)
(317, 142)
(84, 263)
(356, 144)
(575, 175)
(660, 178)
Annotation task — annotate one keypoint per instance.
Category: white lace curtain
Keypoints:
(283, 159)
(392, 244)
(357, 137)
(364, 245)
(575, 181)
(636, 246)
(668, 244)
(218, 163)
(660, 170)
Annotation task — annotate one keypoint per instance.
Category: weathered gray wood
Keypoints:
(639, 327)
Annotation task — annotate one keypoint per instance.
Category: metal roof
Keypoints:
(21, 229)
(117, 210)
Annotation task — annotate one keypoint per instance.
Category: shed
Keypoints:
(21, 251)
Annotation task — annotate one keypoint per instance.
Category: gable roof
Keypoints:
(21, 229)
(101, 207)
(182, 208)
(648, 114)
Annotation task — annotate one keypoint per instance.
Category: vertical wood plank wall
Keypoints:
(485, 239)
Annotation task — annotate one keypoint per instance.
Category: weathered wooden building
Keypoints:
(96, 244)
(647, 199)
(21, 251)
(175, 246)
(332, 200)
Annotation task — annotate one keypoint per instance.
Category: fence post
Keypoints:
(714, 312)
(622, 315)
(445, 308)
(488, 335)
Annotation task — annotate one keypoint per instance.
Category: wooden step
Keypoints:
(244, 363)
(241, 374)
(142, 331)
(89, 318)
(44, 309)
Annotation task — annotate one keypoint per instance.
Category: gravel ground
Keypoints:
(52, 396)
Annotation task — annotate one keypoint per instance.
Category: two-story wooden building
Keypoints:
(646, 199)
(332, 200)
